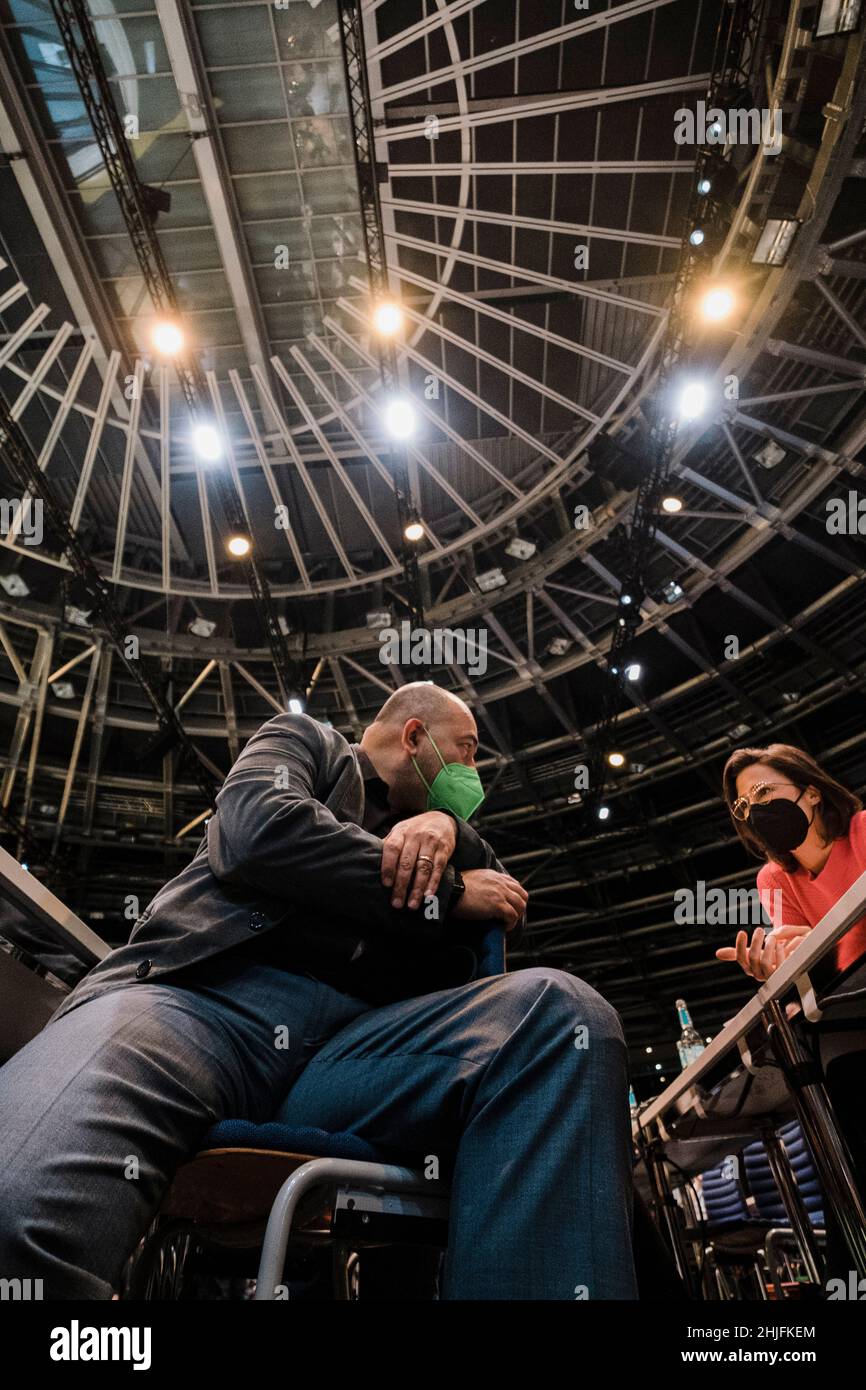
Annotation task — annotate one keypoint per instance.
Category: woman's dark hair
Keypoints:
(838, 804)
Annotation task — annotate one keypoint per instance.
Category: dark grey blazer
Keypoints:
(285, 851)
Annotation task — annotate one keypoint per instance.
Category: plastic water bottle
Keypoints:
(689, 1045)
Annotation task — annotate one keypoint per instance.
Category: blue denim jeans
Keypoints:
(517, 1083)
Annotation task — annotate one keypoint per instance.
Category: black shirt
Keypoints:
(377, 974)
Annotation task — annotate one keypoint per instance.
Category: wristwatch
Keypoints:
(457, 891)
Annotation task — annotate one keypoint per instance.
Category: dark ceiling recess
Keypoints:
(533, 210)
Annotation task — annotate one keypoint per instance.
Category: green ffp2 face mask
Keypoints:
(455, 788)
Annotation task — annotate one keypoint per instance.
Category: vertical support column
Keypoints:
(786, 1182)
(825, 1139)
(652, 1152)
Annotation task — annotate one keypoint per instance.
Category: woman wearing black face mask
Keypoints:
(811, 832)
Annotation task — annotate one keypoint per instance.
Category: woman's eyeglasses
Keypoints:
(759, 796)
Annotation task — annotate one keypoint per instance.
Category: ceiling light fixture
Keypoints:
(388, 318)
(775, 240)
(717, 304)
(14, 585)
(400, 418)
(838, 17)
(167, 338)
(520, 549)
(692, 400)
(490, 579)
(206, 443)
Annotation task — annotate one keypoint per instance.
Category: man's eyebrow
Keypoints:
(473, 738)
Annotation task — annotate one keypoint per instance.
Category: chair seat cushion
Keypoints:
(296, 1139)
(240, 1166)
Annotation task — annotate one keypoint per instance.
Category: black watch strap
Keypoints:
(458, 890)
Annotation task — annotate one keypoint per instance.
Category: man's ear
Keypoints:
(412, 731)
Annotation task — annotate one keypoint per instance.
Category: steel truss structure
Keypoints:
(545, 141)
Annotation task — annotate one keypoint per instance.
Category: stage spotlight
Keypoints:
(296, 706)
(207, 443)
(770, 454)
(696, 236)
(722, 179)
(14, 585)
(775, 240)
(634, 671)
(672, 504)
(414, 531)
(167, 338)
(400, 418)
(491, 579)
(717, 304)
(692, 400)
(239, 546)
(520, 549)
(838, 17)
(603, 813)
(616, 759)
(388, 318)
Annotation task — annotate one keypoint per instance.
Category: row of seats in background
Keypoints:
(740, 1228)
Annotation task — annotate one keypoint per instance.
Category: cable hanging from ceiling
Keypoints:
(707, 214)
(138, 204)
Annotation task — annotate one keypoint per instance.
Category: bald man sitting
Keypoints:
(315, 962)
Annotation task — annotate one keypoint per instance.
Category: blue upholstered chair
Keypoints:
(295, 1182)
(761, 1235)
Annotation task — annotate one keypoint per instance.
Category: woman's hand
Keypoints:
(420, 846)
(760, 957)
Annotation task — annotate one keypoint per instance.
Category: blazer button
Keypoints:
(257, 921)
(143, 969)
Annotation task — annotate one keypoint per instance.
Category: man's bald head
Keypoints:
(421, 700)
(400, 740)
